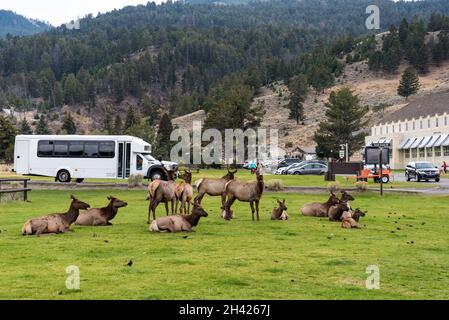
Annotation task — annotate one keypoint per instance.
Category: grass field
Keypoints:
(288, 180)
(234, 259)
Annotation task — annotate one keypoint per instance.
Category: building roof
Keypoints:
(428, 105)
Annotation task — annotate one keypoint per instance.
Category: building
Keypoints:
(417, 132)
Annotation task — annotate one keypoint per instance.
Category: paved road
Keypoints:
(441, 187)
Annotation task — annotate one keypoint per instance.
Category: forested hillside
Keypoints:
(176, 58)
(17, 25)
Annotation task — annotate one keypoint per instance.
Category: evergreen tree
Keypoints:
(298, 87)
(7, 137)
(375, 61)
(403, 31)
(42, 126)
(68, 125)
(118, 125)
(107, 124)
(131, 118)
(409, 83)
(25, 127)
(72, 93)
(58, 95)
(163, 136)
(321, 79)
(344, 120)
(391, 51)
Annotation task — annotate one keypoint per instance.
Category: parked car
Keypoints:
(283, 170)
(288, 161)
(309, 168)
(422, 170)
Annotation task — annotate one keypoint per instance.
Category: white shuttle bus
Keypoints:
(78, 157)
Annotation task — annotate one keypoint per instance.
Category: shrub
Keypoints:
(361, 186)
(135, 181)
(333, 187)
(275, 185)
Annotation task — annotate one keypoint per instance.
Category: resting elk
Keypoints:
(246, 192)
(55, 222)
(280, 213)
(214, 187)
(179, 223)
(184, 192)
(101, 216)
(317, 209)
(161, 191)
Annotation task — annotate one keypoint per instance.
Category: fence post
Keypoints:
(25, 193)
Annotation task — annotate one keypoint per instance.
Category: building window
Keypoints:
(139, 162)
(446, 151)
(414, 153)
(429, 152)
(392, 128)
(381, 129)
(436, 122)
(428, 123)
(400, 127)
(420, 124)
(421, 153)
(387, 129)
(437, 151)
(413, 125)
(407, 153)
(445, 120)
(406, 126)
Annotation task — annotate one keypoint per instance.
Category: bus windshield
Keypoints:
(148, 156)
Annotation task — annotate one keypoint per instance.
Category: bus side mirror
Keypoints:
(159, 158)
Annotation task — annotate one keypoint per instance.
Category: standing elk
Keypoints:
(244, 191)
(280, 213)
(101, 216)
(214, 187)
(179, 223)
(161, 191)
(317, 209)
(184, 192)
(55, 222)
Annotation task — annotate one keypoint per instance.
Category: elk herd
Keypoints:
(187, 211)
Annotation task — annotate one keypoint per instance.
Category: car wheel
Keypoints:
(63, 176)
(408, 177)
(418, 178)
(297, 173)
(157, 175)
(437, 180)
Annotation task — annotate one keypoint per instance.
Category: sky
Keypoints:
(58, 12)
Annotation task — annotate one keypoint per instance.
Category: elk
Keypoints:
(179, 223)
(55, 222)
(352, 221)
(184, 193)
(336, 211)
(214, 187)
(317, 209)
(161, 191)
(244, 191)
(280, 213)
(101, 216)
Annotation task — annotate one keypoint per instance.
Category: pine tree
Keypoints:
(7, 136)
(25, 127)
(298, 87)
(409, 83)
(391, 51)
(58, 95)
(68, 125)
(107, 123)
(72, 90)
(118, 125)
(321, 79)
(403, 31)
(163, 136)
(42, 126)
(375, 61)
(131, 118)
(344, 120)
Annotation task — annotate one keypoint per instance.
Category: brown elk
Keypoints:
(184, 192)
(352, 221)
(214, 187)
(179, 223)
(280, 213)
(101, 216)
(246, 192)
(317, 209)
(55, 222)
(335, 212)
(161, 191)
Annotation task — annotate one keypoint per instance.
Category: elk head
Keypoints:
(117, 203)
(282, 205)
(346, 196)
(198, 210)
(79, 205)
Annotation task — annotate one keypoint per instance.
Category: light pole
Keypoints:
(346, 148)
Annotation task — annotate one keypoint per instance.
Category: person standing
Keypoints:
(444, 167)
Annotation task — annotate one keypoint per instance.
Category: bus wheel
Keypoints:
(63, 176)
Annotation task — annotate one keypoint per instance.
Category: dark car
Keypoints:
(288, 161)
(309, 168)
(422, 171)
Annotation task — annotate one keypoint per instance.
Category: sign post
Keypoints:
(380, 165)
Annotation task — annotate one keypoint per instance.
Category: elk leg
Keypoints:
(251, 203)
(166, 208)
(257, 209)
(150, 206)
(153, 209)
(172, 206)
(223, 199)
(176, 205)
(188, 207)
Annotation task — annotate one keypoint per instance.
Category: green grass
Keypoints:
(288, 180)
(234, 259)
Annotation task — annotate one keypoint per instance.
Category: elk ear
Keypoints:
(109, 197)
(283, 201)
(72, 197)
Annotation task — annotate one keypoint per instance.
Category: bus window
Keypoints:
(60, 149)
(76, 149)
(139, 162)
(106, 149)
(91, 149)
(45, 148)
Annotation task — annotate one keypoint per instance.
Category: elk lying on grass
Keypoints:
(214, 187)
(179, 223)
(184, 192)
(55, 222)
(317, 209)
(246, 192)
(101, 216)
(280, 213)
(161, 191)
(352, 221)
(336, 211)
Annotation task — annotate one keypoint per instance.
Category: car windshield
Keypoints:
(424, 165)
(148, 156)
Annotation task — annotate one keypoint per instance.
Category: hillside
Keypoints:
(18, 25)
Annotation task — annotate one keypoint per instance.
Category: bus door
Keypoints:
(124, 160)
